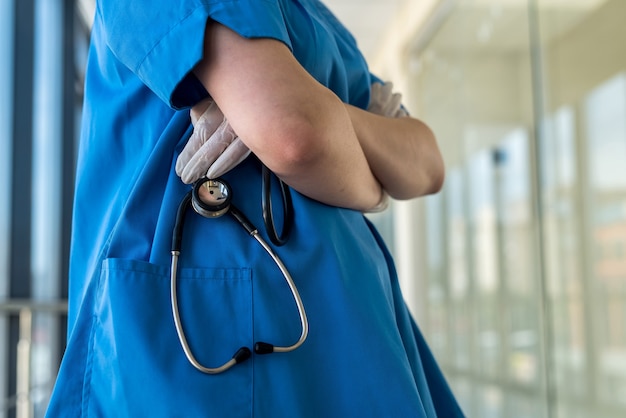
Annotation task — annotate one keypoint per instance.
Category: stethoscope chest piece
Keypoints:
(211, 197)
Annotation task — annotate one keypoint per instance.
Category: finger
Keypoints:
(229, 159)
(393, 104)
(208, 153)
(194, 143)
(204, 129)
(205, 126)
(375, 89)
(198, 110)
(386, 92)
(376, 102)
(199, 163)
(401, 113)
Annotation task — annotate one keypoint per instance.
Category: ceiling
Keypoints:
(470, 24)
(503, 25)
(366, 19)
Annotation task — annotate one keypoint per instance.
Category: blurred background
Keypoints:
(516, 271)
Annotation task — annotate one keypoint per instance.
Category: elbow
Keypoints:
(436, 176)
(437, 181)
(437, 170)
(300, 149)
(425, 181)
(292, 138)
(424, 185)
(435, 173)
(294, 147)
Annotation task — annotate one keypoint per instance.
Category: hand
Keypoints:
(213, 148)
(384, 102)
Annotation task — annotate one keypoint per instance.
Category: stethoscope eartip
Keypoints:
(242, 355)
(263, 348)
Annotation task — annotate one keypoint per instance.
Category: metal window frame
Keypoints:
(20, 289)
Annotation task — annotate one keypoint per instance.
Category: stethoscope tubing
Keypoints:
(281, 238)
(243, 353)
(304, 323)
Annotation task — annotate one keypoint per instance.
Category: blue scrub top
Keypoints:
(364, 356)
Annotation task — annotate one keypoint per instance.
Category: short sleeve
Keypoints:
(162, 40)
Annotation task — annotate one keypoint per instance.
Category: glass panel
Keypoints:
(47, 147)
(519, 299)
(604, 112)
(465, 393)
(472, 82)
(47, 143)
(584, 190)
(484, 257)
(6, 122)
(564, 261)
(437, 274)
(491, 401)
(458, 272)
(523, 405)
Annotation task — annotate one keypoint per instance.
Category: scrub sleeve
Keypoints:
(364, 356)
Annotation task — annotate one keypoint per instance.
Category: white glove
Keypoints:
(381, 206)
(213, 148)
(384, 102)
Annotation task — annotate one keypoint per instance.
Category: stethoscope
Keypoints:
(212, 198)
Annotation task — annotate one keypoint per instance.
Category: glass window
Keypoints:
(532, 222)
(40, 332)
(458, 272)
(605, 133)
(46, 255)
(519, 299)
(6, 122)
(563, 251)
(472, 81)
(484, 256)
(437, 316)
(584, 193)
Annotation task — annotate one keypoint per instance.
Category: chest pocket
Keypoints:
(136, 364)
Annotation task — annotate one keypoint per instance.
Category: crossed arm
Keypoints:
(330, 151)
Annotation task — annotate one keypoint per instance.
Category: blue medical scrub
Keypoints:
(364, 356)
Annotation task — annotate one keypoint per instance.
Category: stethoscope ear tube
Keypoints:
(243, 221)
(268, 212)
(177, 235)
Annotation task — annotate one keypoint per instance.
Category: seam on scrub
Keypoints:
(89, 362)
(86, 393)
(166, 34)
(253, 357)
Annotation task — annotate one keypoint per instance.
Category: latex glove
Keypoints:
(381, 206)
(384, 102)
(213, 148)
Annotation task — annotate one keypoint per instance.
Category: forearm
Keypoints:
(296, 126)
(333, 168)
(401, 152)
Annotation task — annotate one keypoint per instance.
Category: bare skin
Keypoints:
(327, 150)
